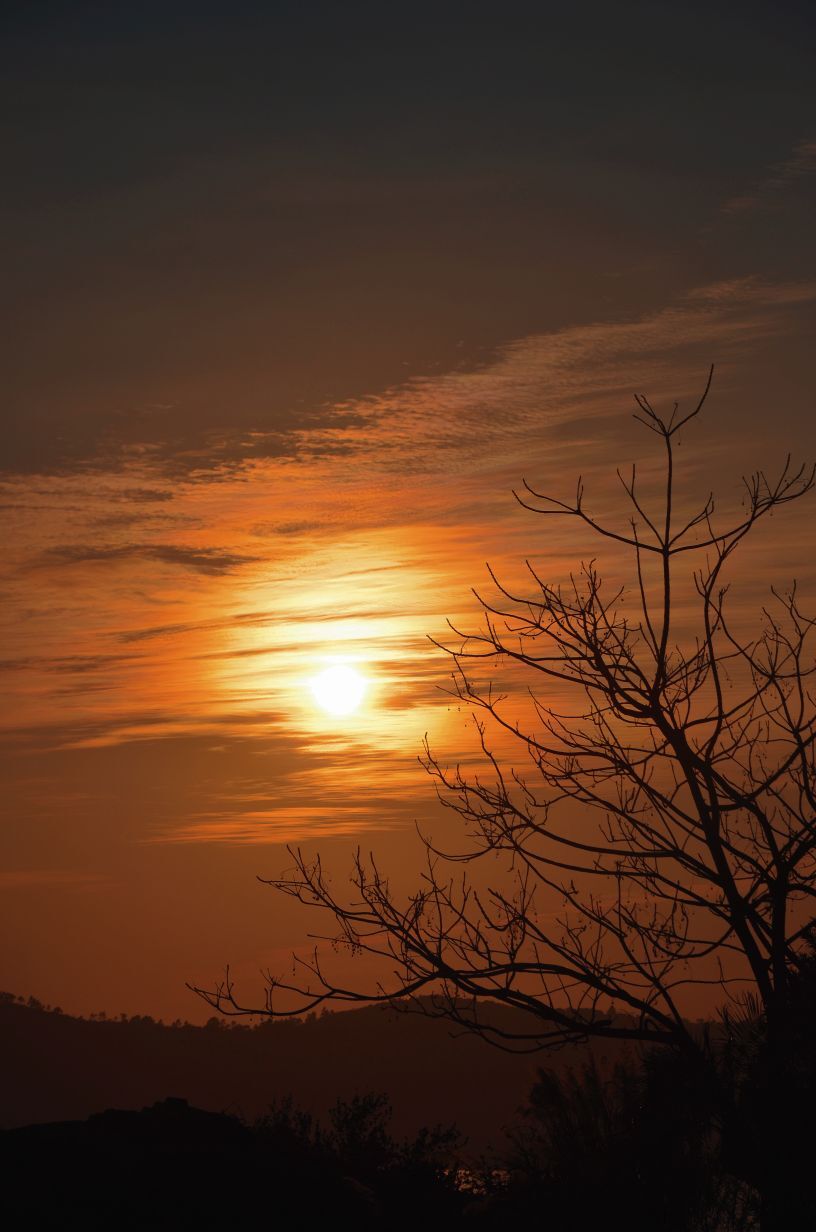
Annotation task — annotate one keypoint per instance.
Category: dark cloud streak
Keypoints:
(211, 561)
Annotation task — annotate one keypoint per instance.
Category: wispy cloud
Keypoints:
(458, 420)
(453, 416)
(213, 561)
(374, 530)
(766, 192)
(291, 823)
(70, 664)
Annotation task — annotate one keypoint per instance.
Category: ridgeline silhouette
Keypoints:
(236, 1114)
(58, 1067)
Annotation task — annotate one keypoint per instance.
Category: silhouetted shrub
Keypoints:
(637, 1142)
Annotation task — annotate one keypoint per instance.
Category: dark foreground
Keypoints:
(173, 1166)
(720, 1140)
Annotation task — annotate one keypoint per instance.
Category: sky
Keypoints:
(293, 296)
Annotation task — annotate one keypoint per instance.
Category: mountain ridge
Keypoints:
(64, 1068)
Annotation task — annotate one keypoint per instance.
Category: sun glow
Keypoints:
(339, 690)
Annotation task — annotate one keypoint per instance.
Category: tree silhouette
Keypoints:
(671, 813)
(598, 1139)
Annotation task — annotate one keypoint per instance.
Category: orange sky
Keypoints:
(161, 739)
(284, 332)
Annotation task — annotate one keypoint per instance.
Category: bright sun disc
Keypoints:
(339, 690)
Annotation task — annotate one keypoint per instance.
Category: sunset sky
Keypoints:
(294, 295)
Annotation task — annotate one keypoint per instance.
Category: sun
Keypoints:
(339, 690)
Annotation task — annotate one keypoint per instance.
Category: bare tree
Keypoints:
(659, 836)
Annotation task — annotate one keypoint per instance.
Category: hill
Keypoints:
(61, 1068)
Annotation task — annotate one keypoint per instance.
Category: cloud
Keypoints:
(211, 783)
(71, 664)
(143, 496)
(766, 192)
(288, 824)
(465, 421)
(212, 561)
(234, 620)
(269, 529)
(194, 441)
(436, 420)
(425, 501)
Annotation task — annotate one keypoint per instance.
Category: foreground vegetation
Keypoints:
(649, 1137)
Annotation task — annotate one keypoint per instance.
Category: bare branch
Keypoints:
(660, 837)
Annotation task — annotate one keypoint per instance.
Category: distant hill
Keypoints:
(59, 1068)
